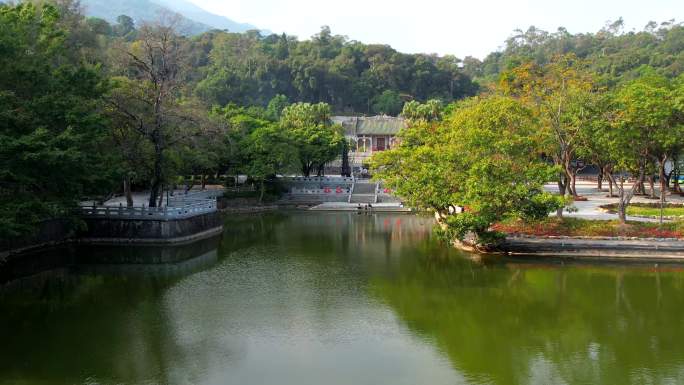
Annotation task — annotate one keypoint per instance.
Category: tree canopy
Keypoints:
(86, 105)
(51, 132)
(480, 158)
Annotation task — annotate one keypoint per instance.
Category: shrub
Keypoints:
(539, 206)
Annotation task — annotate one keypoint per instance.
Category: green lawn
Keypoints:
(575, 227)
(650, 211)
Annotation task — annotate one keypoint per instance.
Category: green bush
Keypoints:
(540, 206)
(462, 225)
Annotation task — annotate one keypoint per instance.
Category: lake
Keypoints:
(298, 298)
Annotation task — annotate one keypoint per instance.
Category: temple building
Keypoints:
(367, 135)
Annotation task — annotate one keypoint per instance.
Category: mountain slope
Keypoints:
(195, 19)
(191, 11)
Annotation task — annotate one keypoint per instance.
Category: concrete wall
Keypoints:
(108, 259)
(144, 230)
(48, 232)
(605, 249)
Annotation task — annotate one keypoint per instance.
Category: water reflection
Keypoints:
(546, 323)
(338, 298)
(91, 312)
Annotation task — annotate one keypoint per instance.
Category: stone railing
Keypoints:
(192, 197)
(183, 205)
(166, 212)
(241, 188)
(320, 179)
(321, 191)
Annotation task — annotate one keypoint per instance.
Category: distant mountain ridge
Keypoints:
(195, 19)
(193, 12)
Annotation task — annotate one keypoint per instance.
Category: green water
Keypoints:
(305, 298)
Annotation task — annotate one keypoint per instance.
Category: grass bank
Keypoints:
(650, 210)
(575, 227)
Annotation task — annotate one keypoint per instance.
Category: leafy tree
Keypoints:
(52, 136)
(276, 106)
(125, 26)
(310, 130)
(99, 26)
(432, 110)
(248, 69)
(478, 158)
(559, 93)
(236, 124)
(267, 152)
(134, 155)
(645, 131)
(615, 56)
(388, 103)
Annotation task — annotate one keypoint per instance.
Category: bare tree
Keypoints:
(149, 95)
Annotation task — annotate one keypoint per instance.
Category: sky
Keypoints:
(454, 27)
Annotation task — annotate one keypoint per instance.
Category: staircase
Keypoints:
(364, 193)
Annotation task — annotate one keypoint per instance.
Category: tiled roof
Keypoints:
(373, 125)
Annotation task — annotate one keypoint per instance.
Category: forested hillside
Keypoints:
(251, 68)
(351, 76)
(612, 53)
(90, 108)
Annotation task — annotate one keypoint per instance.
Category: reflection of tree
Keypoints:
(536, 324)
(302, 274)
(104, 320)
(354, 234)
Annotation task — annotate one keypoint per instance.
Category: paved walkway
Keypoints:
(590, 209)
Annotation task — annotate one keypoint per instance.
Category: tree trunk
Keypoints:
(568, 182)
(626, 197)
(306, 169)
(127, 191)
(676, 187)
(204, 181)
(622, 207)
(664, 182)
(610, 188)
(161, 197)
(262, 188)
(570, 173)
(651, 186)
(561, 191)
(641, 188)
(189, 182)
(664, 185)
(573, 182)
(599, 180)
(346, 169)
(157, 176)
(675, 174)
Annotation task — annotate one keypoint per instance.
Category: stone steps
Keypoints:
(362, 198)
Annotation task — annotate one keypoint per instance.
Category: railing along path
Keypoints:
(178, 206)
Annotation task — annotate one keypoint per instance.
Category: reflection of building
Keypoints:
(368, 135)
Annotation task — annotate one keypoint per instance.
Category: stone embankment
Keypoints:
(184, 217)
(607, 248)
(595, 248)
